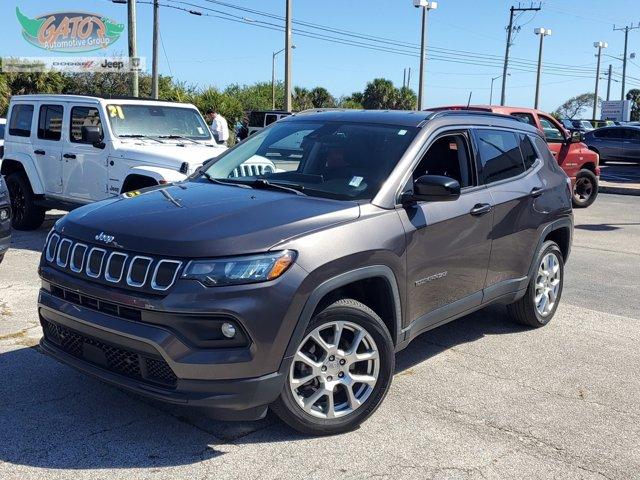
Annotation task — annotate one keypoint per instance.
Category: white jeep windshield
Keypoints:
(341, 160)
(157, 121)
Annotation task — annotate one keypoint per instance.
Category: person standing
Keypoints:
(219, 126)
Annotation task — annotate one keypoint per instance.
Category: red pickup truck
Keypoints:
(575, 158)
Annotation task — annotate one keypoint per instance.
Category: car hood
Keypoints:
(195, 220)
(149, 152)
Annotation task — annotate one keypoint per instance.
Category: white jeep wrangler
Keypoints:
(63, 151)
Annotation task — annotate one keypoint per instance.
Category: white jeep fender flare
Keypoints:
(30, 169)
(159, 174)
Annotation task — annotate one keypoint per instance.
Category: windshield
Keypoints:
(341, 160)
(157, 121)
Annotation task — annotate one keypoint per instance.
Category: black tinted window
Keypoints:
(632, 134)
(524, 117)
(50, 122)
(528, 152)
(20, 123)
(82, 117)
(1, 130)
(447, 156)
(500, 155)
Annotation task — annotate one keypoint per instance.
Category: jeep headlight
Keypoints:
(238, 270)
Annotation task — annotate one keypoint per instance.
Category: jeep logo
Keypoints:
(103, 237)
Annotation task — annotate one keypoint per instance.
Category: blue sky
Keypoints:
(212, 51)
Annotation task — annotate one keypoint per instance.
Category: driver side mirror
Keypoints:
(433, 188)
(576, 137)
(92, 134)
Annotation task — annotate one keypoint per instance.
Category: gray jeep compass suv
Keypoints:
(246, 288)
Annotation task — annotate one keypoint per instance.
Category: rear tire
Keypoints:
(585, 189)
(540, 302)
(26, 214)
(315, 399)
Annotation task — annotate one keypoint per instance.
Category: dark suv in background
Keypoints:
(619, 143)
(294, 289)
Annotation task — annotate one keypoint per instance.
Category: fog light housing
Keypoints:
(228, 330)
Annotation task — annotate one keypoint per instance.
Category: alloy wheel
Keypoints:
(334, 370)
(547, 284)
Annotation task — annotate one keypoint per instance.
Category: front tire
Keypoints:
(26, 214)
(540, 302)
(340, 373)
(585, 189)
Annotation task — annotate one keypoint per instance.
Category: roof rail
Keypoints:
(443, 113)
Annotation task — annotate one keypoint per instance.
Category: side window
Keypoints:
(270, 118)
(50, 122)
(528, 152)
(448, 156)
(82, 118)
(524, 117)
(543, 150)
(551, 132)
(632, 134)
(20, 123)
(500, 155)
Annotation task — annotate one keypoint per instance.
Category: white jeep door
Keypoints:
(47, 146)
(84, 166)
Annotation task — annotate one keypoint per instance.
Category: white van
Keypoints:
(62, 151)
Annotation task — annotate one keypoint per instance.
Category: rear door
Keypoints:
(631, 144)
(47, 146)
(448, 242)
(514, 184)
(608, 142)
(84, 167)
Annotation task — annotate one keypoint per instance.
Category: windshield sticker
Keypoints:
(356, 181)
(402, 132)
(116, 111)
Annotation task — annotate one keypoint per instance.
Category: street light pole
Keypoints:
(599, 46)
(154, 64)
(543, 32)
(491, 92)
(287, 59)
(273, 76)
(426, 6)
(609, 83)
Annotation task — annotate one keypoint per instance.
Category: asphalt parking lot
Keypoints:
(477, 398)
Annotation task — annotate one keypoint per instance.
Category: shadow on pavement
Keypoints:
(57, 418)
(34, 240)
(603, 227)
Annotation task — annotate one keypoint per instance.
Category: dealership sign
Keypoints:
(75, 64)
(618, 110)
(69, 32)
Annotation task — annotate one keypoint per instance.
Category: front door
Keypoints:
(84, 166)
(47, 147)
(448, 242)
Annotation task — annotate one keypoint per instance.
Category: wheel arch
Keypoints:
(385, 286)
(561, 232)
(137, 181)
(10, 166)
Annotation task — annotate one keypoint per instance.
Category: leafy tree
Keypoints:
(256, 96)
(406, 99)
(5, 95)
(301, 99)
(379, 94)
(634, 96)
(321, 98)
(573, 107)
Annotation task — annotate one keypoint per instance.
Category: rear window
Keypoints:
(50, 122)
(20, 123)
(500, 155)
(528, 152)
(524, 117)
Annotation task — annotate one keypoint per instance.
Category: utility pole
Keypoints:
(543, 32)
(624, 59)
(426, 6)
(609, 83)
(133, 52)
(404, 78)
(154, 65)
(599, 46)
(512, 10)
(287, 60)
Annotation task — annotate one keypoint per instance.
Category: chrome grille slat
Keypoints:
(76, 257)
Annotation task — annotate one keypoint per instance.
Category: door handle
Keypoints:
(480, 209)
(536, 192)
(39, 152)
(69, 155)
